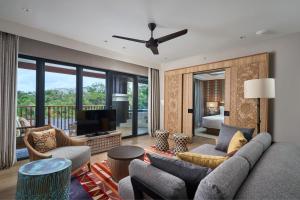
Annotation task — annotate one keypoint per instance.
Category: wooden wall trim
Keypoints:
(252, 66)
(221, 64)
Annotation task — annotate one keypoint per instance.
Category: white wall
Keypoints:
(285, 67)
(45, 50)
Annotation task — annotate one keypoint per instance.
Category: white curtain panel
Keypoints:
(8, 79)
(154, 101)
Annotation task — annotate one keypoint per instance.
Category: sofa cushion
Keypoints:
(208, 149)
(224, 181)
(275, 176)
(237, 141)
(202, 160)
(157, 180)
(264, 138)
(79, 155)
(252, 151)
(189, 173)
(227, 132)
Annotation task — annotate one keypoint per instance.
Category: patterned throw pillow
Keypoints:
(44, 140)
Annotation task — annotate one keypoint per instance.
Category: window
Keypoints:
(122, 101)
(26, 93)
(60, 95)
(142, 105)
(50, 92)
(94, 89)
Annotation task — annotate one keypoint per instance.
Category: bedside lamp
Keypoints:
(211, 106)
(257, 89)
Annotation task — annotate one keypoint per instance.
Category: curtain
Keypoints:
(199, 103)
(8, 78)
(154, 101)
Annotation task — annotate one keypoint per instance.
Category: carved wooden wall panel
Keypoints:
(173, 102)
(242, 111)
(187, 102)
(245, 110)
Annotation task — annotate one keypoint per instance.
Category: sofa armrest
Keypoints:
(158, 181)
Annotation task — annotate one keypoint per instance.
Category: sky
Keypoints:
(27, 81)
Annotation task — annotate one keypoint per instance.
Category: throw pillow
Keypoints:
(237, 141)
(44, 140)
(227, 132)
(202, 160)
(189, 173)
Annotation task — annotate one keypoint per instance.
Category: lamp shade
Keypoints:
(259, 88)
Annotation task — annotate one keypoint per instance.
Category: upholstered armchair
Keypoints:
(66, 147)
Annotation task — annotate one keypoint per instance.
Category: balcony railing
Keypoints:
(58, 116)
(63, 116)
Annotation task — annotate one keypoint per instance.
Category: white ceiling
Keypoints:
(214, 25)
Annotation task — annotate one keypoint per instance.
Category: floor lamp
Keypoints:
(257, 89)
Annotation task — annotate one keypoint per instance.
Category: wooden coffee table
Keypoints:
(120, 157)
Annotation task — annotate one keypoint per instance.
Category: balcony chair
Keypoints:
(68, 148)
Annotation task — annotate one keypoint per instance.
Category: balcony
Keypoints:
(64, 116)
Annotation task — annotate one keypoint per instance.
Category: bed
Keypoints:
(213, 121)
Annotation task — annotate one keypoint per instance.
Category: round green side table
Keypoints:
(44, 179)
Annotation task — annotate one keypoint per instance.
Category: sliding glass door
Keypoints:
(123, 101)
(60, 95)
(51, 92)
(142, 105)
(93, 90)
(26, 94)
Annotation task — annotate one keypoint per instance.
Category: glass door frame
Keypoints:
(110, 76)
(40, 89)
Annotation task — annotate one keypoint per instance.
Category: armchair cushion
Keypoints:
(79, 155)
(44, 140)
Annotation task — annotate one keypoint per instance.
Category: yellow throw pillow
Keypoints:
(44, 140)
(203, 160)
(237, 141)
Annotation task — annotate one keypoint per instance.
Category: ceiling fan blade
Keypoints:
(154, 50)
(130, 39)
(171, 36)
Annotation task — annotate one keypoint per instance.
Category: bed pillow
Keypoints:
(191, 174)
(226, 134)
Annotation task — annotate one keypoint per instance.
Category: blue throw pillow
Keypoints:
(227, 132)
(191, 174)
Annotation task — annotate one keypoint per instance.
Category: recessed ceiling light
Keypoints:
(124, 47)
(105, 41)
(261, 32)
(26, 10)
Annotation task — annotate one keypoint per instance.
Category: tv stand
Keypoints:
(102, 142)
(96, 134)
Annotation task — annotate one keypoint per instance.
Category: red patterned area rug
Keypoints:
(99, 184)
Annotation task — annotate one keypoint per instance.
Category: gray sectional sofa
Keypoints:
(259, 170)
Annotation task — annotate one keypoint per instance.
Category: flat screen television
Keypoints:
(95, 122)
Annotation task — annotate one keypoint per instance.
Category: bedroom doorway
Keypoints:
(209, 101)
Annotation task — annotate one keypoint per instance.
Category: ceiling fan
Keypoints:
(153, 43)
